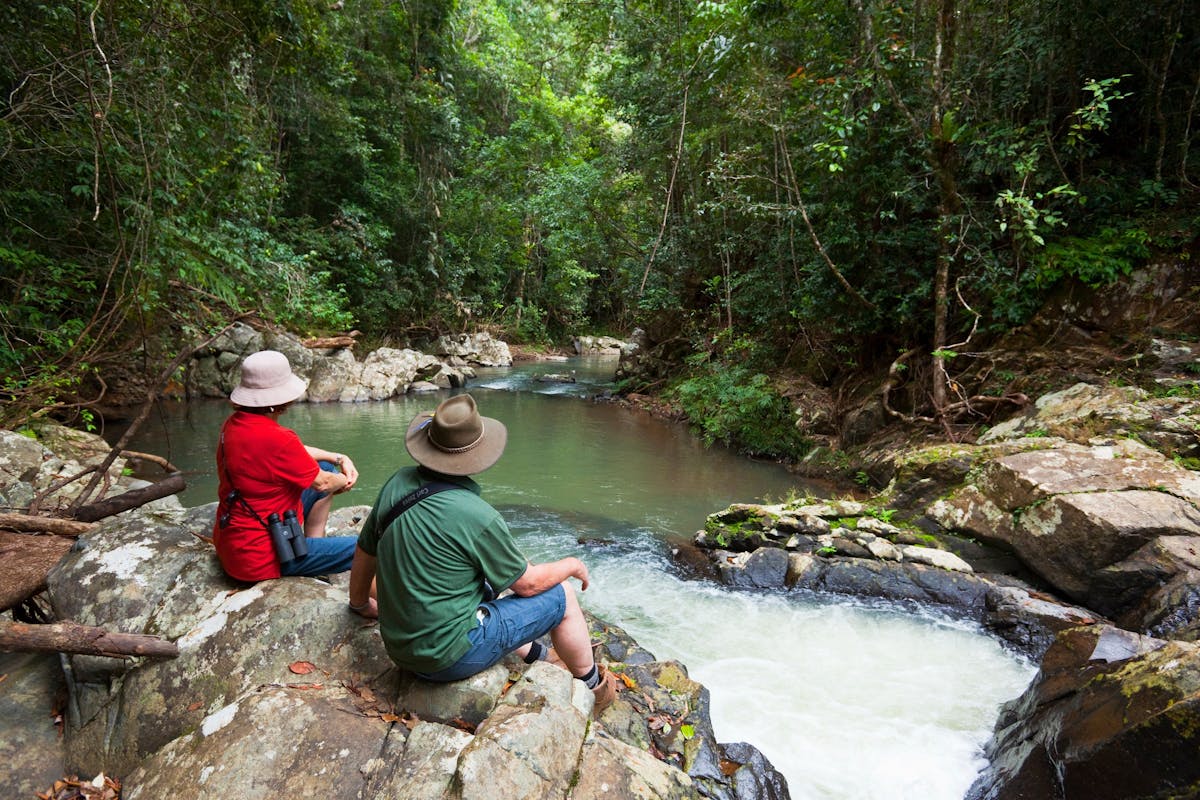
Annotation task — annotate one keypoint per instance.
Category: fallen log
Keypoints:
(71, 637)
(25, 560)
(131, 499)
(329, 342)
(29, 523)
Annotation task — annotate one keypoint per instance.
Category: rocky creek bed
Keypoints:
(278, 690)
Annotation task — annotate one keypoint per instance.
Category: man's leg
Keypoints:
(573, 643)
(571, 638)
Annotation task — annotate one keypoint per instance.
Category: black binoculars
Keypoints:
(287, 536)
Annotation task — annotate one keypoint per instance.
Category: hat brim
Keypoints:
(468, 462)
(291, 390)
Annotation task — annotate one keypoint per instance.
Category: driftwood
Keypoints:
(25, 561)
(131, 499)
(71, 637)
(29, 523)
(329, 342)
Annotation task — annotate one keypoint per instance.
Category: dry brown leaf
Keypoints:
(390, 717)
(301, 667)
(463, 725)
(305, 686)
(196, 705)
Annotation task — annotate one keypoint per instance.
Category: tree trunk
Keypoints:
(943, 162)
(71, 637)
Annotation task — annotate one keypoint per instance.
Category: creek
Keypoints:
(850, 700)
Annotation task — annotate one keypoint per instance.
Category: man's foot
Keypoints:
(605, 691)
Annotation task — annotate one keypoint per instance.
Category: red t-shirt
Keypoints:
(270, 468)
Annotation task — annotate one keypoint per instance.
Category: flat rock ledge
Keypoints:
(838, 547)
(280, 691)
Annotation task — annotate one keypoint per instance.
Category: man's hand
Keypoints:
(370, 610)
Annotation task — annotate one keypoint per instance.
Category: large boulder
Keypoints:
(1111, 716)
(334, 374)
(474, 348)
(278, 690)
(31, 704)
(1072, 512)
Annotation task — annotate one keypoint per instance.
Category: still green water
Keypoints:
(850, 700)
(565, 453)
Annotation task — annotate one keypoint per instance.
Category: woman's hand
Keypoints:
(349, 470)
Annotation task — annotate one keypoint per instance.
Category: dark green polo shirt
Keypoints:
(432, 562)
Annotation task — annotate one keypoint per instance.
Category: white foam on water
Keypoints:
(847, 700)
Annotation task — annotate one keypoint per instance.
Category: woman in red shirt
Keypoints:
(264, 469)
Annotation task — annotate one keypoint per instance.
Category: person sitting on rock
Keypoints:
(264, 469)
(437, 555)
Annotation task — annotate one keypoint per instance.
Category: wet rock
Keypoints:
(1111, 716)
(765, 568)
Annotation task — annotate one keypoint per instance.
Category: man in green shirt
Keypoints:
(431, 542)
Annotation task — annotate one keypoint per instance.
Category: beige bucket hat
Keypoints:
(455, 439)
(267, 380)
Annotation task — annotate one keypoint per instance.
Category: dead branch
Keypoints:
(27, 523)
(134, 498)
(330, 342)
(794, 190)
(670, 191)
(25, 561)
(894, 379)
(167, 466)
(143, 414)
(71, 637)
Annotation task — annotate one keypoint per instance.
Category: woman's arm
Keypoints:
(349, 471)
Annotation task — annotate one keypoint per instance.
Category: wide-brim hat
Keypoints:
(267, 380)
(455, 439)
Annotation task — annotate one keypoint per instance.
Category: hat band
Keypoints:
(445, 449)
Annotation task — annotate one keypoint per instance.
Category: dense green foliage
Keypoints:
(811, 176)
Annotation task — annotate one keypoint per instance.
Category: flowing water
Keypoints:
(851, 701)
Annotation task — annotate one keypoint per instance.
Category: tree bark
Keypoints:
(32, 524)
(943, 158)
(132, 499)
(71, 637)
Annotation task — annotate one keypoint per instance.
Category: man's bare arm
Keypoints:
(537, 578)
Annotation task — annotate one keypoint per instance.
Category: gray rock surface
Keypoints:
(335, 375)
(278, 690)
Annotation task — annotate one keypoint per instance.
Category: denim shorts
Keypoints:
(310, 495)
(326, 555)
(506, 624)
